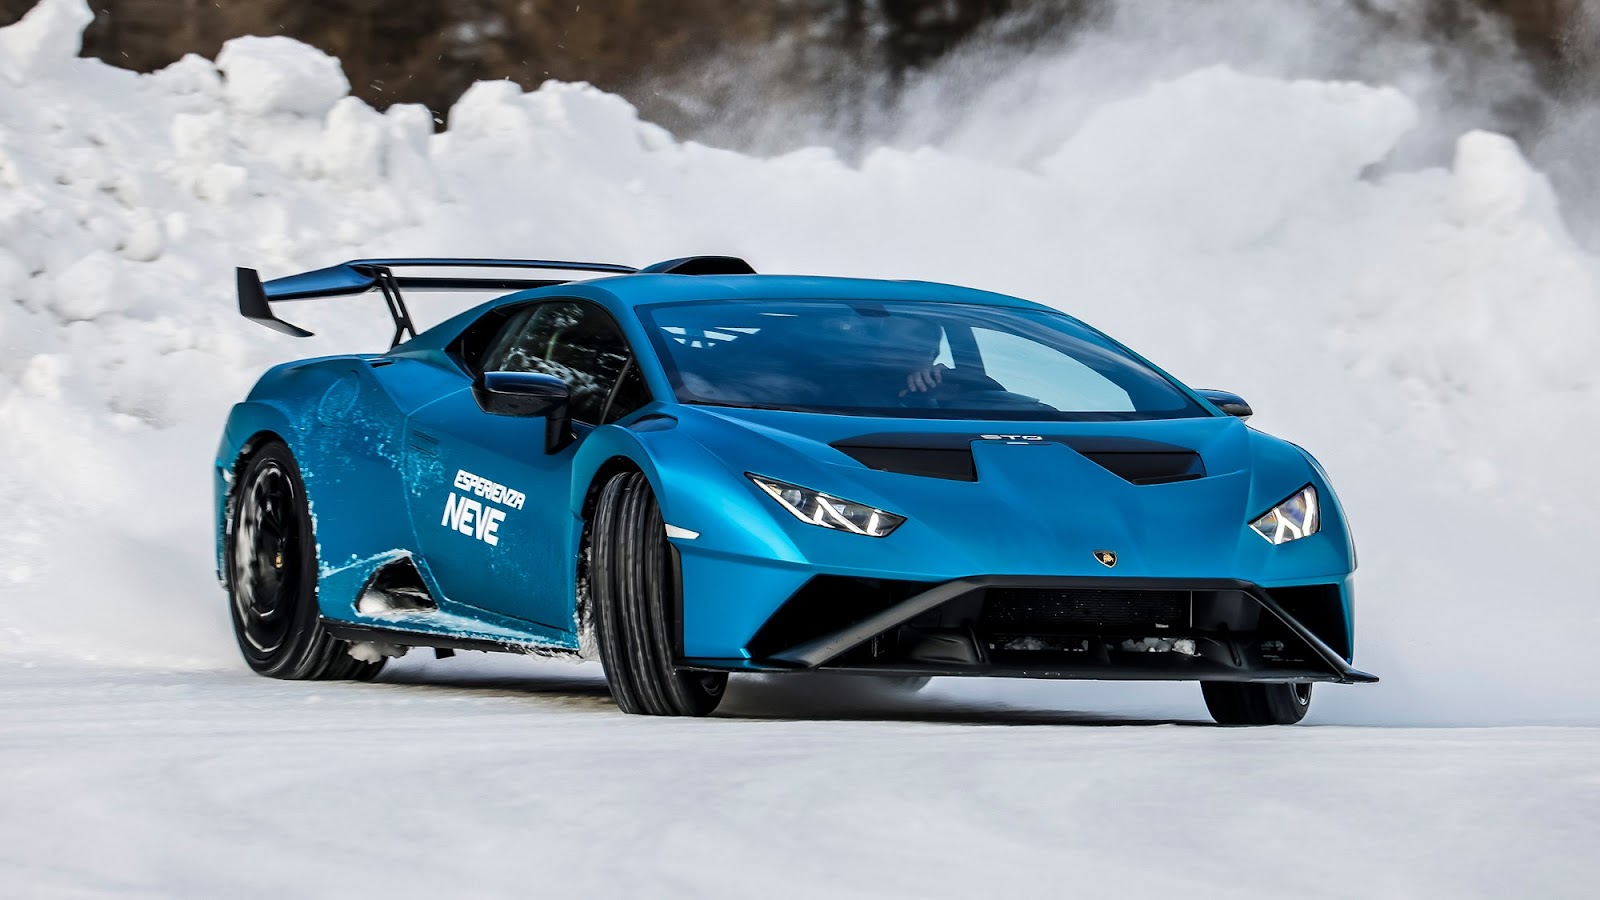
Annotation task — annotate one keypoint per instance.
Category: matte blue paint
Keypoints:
(377, 488)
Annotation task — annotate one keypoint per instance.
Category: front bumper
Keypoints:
(1062, 627)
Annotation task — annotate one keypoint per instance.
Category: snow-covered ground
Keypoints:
(134, 782)
(213, 785)
(1428, 332)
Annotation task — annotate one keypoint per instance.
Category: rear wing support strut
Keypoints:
(362, 275)
(397, 306)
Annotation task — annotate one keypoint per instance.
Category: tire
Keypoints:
(1247, 703)
(634, 594)
(272, 577)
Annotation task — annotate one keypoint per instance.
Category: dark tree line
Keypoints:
(662, 54)
(429, 52)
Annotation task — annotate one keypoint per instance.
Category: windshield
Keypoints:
(909, 359)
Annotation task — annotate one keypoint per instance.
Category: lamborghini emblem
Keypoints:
(1107, 558)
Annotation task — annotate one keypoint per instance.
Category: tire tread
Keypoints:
(632, 589)
(1253, 703)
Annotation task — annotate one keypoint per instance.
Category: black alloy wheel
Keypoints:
(272, 577)
(633, 589)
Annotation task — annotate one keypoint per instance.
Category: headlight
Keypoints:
(817, 508)
(1291, 520)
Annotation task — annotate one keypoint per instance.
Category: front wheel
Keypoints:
(272, 577)
(1247, 703)
(634, 594)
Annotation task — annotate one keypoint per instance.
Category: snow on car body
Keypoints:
(725, 472)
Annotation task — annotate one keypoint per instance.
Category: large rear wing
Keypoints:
(362, 275)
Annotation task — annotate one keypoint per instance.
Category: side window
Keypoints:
(478, 341)
(582, 346)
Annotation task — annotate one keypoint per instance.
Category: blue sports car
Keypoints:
(691, 470)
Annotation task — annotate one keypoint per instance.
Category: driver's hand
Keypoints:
(925, 379)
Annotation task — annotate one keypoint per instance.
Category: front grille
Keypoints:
(1033, 610)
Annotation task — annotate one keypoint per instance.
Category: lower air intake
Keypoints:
(1036, 610)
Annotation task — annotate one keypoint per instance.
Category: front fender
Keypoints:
(695, 488)
(700, 492)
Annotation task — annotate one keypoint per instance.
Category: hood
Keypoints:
(1171, 498)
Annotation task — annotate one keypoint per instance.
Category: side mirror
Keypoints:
(1232, 404)
(529, 395)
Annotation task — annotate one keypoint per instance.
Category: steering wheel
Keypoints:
(954, 385)
(971, 390)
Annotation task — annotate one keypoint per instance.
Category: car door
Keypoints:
(492, 515)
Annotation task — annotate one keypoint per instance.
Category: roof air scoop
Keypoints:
(701, 265)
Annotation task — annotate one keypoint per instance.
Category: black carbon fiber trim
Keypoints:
(1019, 610)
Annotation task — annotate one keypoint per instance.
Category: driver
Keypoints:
(889, 356)
(918, 339)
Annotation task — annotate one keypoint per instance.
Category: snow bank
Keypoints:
(45, 38)
(1427, 332)
(277, 74)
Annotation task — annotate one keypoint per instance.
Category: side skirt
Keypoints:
(347, 631)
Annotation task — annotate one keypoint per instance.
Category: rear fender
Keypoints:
(346, 435)
(250, 424)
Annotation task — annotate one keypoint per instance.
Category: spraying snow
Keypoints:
(1426, 332)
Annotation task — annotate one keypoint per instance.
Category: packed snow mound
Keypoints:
(44, 39)
(278, 74)
(1426, 333)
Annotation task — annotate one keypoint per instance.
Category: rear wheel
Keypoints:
(634, 593)
(1247, 703)
(272, 578)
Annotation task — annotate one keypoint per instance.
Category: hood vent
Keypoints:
(949, 456)
(931, 456)
(1139, 461)
(1150, 468)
